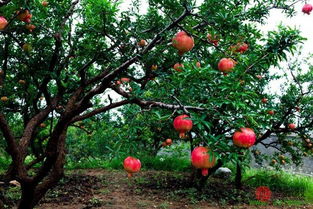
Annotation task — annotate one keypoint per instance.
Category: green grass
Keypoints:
(290, 184)
(147, 162)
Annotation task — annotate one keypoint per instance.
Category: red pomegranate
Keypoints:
(245, 138)
(182, 125)
(198, 65)
(142, 43)
(307, 8)
(264, 100)
(271, 112)
(200, 158)
(168, 141)
(125, 80)
(178, 67)
(259, 77)
(131, 165)
(3, 23)
(183, 42)
(241, 47)
(226, 65)
(24, 16)
(292, 126)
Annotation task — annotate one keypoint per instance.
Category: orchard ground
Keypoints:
(98, 188)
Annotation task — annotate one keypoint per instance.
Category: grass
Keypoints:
(290, 184)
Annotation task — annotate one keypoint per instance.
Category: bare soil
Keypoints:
(86, 189)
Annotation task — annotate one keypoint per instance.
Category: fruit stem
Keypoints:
(182, 135)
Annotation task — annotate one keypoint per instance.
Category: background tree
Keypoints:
(61, 60)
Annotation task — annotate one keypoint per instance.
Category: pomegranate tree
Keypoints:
(201, 159)
(132, 165)
(182, 125)
(183, 42)
(244, 138)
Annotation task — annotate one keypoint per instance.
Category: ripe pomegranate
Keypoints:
(131, 165)
(24, 16)
(4, 99)
(307, 8)
(154, 67)
(264, 100)
(3, 23)
(198, 64)
(45, 3)
(226, 65)
(214, 40)
(292, 126)
(182, 42)
(245, 138)
(271, 112)
(178, 67)
(168, 141)
(259, 77)
(30, 27)
(182, 125)
(142, 43)
(241, 47)
(125, 80)
(200, 158)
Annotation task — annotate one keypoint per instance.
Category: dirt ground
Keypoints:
(86, 189)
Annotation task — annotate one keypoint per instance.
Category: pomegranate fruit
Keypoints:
(271, 112)
(3, 23)
(292, 126)
(154, 67)
(182, 42)
(142, 43)
(213, 40)
(163, 144)
(244, 138)
(22, 82)
(226, 65)
(198, 65)
(30, 27)
(307, 8)
(125, 80)
(259, 77)
(178, 67)
(24, 16)
(242, 47)
(131, 165)
(168, 141)
(200, 158)
(45, 3)
(4, 99)
(264, 100)
(182, 125)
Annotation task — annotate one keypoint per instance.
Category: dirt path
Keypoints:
(85, 189)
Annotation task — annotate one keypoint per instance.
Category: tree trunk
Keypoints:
(238, 176)
(28, 196)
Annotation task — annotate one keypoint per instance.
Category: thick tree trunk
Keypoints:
(28, 197)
